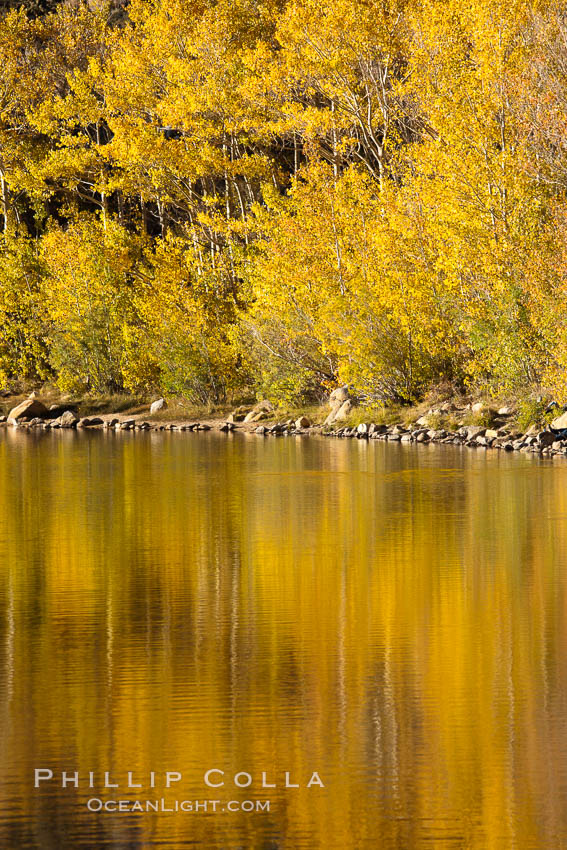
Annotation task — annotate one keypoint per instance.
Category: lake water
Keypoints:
(391, 617)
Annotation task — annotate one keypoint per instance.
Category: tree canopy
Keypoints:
(201, 196)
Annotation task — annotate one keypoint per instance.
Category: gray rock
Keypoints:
(157, 405)
(546, 438)
(399, 429)
(303, 422)
(28, 409)
(473, 431)
(68, 419)
(338, 396)
(344, 410)
(560, 422)
(261, 429)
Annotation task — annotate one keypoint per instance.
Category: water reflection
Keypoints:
(390, 616)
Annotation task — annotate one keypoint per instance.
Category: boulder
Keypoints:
(157, 405)
(473, 431)
(505, 411)
(560, 422)
(261, 429)
(344, 410)
(362, 428)
(256, 415)
(339, 396)
(546, 438)
(28, 409)
(68, 419)
(239, 413)
(261, 410)
(302, 422)
(91, 422)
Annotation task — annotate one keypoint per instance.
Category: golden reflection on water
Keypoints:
(393, 617)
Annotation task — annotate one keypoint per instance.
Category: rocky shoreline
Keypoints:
(32, 415)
